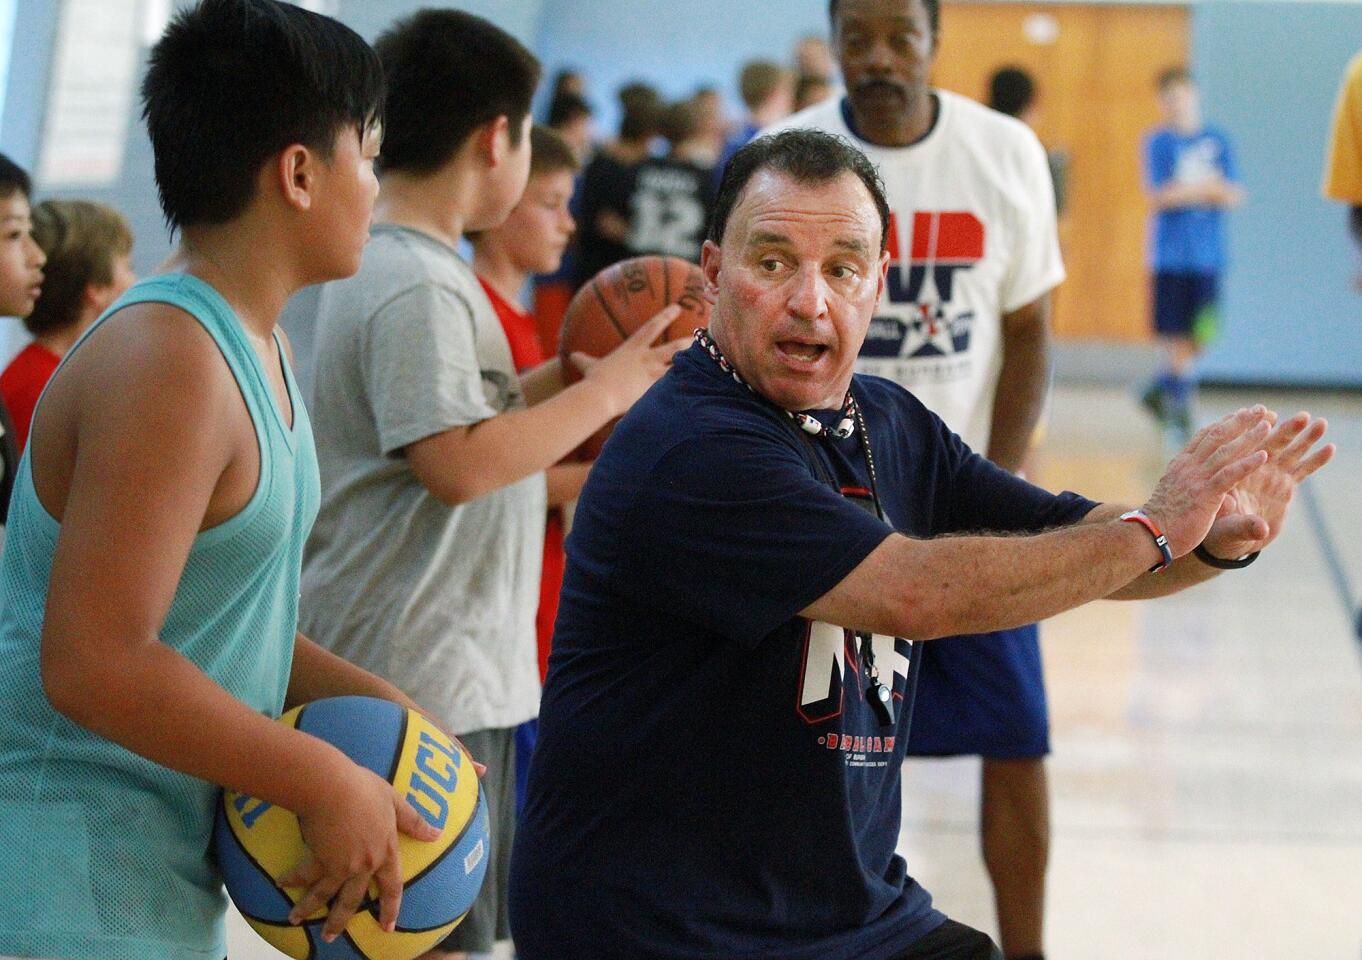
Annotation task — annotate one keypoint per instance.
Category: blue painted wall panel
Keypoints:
(1269, 73)
(676, 46)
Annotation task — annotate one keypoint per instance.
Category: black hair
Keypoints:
(567, 107)
(1011, 90)
(13, 179)
(933, 14)
(449, 72)
(233, 82)
(1171, 75)
(564, 80)
(679, 121)
(641, 107)
(805, 156)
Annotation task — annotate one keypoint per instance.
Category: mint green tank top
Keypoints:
(104, 853)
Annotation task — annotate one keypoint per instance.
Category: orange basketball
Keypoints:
(619, 300)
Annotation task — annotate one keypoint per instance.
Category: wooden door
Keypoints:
(1095, 67)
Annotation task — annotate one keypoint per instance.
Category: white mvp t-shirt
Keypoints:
(973, 237)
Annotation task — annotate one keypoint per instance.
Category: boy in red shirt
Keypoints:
(88, 247)
(532, 241)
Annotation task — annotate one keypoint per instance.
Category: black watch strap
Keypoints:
(1211, 560)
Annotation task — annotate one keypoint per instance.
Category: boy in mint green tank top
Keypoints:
(149, 585)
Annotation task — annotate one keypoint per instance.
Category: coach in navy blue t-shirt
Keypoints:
(727, 703)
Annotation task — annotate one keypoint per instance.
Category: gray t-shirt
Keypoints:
(440, 600)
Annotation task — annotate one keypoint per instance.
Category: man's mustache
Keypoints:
(879, 86)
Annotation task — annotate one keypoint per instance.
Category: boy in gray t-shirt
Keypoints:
(424, 562)
(408, 348)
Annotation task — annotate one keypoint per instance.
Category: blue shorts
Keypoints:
(1185, 305)
(981, 695)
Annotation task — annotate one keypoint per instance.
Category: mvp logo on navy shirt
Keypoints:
(832, 663)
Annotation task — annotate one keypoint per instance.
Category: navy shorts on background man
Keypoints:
(982, 695)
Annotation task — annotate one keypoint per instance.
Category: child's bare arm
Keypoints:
(151, 447)
(565, 482)
(541, 382)
(464, 463)
(318, 673)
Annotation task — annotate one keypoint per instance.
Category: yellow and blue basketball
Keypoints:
(257, 842)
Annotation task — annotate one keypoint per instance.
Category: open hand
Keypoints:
(1191, 493)
(1251, 515)
(632, 367)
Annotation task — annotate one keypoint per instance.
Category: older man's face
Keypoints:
(886, 49)
(795, 284)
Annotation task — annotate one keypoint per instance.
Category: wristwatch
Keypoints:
(1220, 563)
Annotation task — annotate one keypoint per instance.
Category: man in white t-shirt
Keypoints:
(963, 324)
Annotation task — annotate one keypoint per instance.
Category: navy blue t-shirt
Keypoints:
(710, 780)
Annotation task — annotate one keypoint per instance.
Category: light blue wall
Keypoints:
(6, 45)
(32, 39)
(675, 45)
(369, 18)
(613, 41)
(1269, 73)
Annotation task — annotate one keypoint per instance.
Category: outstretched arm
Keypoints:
(922, 589)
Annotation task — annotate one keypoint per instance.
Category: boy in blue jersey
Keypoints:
(1191, 180)
(149, 584)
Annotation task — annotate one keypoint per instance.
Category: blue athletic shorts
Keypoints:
(981, 695)
(1185, 304)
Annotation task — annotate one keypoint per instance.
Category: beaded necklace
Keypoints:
(846, 425)
(879, 696)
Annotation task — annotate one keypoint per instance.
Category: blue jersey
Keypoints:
(710, 779)
(1188, 239)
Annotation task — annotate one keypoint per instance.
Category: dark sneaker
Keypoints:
(1180, 422)
(1156, 402)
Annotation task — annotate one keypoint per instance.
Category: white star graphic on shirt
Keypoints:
(928, 327)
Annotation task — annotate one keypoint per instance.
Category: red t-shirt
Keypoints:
(22, 384)
(526, 352)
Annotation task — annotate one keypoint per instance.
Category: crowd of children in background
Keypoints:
(650, 188)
